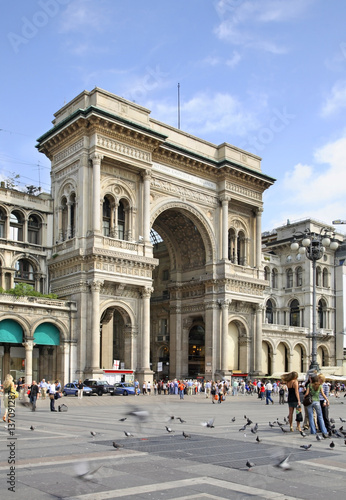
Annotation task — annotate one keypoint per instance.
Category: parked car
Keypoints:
(99, 387)
(124, 389)
(72, 389)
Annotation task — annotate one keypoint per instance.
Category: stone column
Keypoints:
(182, 348)
(224, 341)
(25, 230)
(258, 340)
(145, 361)
(145, 373)
(146, 206)
(29, 345)
(258, 237)
(95, 324)
(69, 235)
(61, 235)
(96, 162)
(224, 227)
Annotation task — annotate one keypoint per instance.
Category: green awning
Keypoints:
(47, 334)
(11, 332)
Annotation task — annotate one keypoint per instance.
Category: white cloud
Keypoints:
(206, 113)
(242, 22)
(336, 101)
(234, 60)
(83, 15)
(316, 190)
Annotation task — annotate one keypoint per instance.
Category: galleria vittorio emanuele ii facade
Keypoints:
(151, 240)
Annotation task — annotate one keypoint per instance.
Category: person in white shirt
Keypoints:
(269, 389)
(52, 392)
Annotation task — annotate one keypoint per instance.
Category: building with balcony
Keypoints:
(287, 308)
(156, 238)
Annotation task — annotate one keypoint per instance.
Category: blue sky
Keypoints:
(265, 75)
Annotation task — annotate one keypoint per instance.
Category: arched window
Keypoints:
(294, 313)
(299, 276)
(269, 312)
(2, 224)
(34, 230)
(289, 278)
(321, 313)
(318, 276)
(64, 219)
(267, 273)
(325, 278)
(106, 217)
(121, 221)
(241, 248)
(275, 275)
(72, 216)
(231, 245)
(16, 226)
(24, 271)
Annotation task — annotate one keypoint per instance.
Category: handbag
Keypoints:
(51, 396)
(307, 400)
(14, 394)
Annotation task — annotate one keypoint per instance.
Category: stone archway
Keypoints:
(182, 245)
(116, 338)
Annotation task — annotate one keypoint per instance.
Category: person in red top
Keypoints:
(181, 388)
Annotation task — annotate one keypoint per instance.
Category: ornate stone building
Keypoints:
(287, 312)
(156, 238)
(34, 331)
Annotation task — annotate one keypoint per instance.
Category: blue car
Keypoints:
(72, 389)
(124, 389)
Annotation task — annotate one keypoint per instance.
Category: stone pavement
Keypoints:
(47, 462)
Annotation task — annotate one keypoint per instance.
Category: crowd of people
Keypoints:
(12, 390)
(288, 390)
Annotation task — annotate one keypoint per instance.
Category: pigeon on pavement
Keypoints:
(117, 446)
(250, 464)
(332, 445)
(128, 434)
(186, 435)
(306, 446)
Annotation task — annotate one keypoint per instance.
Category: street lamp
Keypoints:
(313, 245)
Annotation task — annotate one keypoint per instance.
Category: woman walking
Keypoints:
(315, 388)
(291, 380)
(9, 397)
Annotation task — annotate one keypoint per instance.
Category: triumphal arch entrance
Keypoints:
(157, 239)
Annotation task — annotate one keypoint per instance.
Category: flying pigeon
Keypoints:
(284, 464)
(83, 472)
(306, 446)
(210, 423)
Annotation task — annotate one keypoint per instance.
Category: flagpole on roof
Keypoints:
(179, 106)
